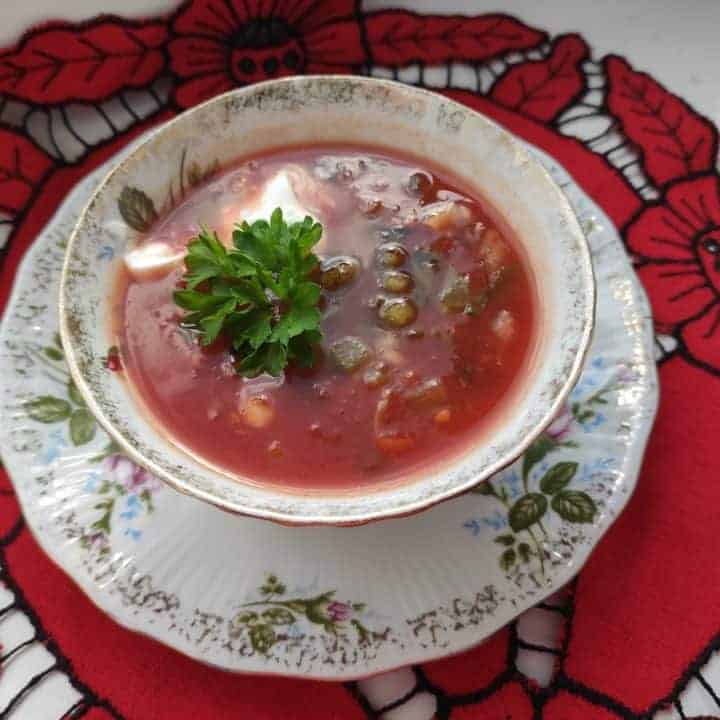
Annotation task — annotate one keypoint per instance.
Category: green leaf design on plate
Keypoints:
(536, 452)
(278, 616)
(574, 506)
(74, 394)
(82, 427)
(484, 488)
(248, 617)
(557, 477)
(110, 449)
(266, 626)
(272, 586)
(103, 522)
(527, 511)
(505, 540)
(507, 559)
(524, 552)
(362, 631)
(146, 498)
(48, 409)
(53, 353)
(137, 209)
(262, 637)
(197, 174)
(316, 609)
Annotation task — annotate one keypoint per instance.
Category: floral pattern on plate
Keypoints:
(352, 601)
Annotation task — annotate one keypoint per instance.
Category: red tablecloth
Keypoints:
(644, 615)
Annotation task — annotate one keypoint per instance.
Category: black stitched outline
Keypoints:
(83, 26)
(459, 19)
(360, 699)
(61, 663)
(655, 113)
(61, 164)
(574, 100)
(681, 349)
(12, 534)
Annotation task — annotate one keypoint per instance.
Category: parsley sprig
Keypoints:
(257, 293)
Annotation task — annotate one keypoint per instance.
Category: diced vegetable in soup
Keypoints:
(357, 346)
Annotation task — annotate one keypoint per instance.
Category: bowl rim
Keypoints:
(587, 320)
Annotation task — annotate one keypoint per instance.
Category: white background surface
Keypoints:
(677, 40)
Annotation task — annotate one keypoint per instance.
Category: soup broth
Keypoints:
(427, 317)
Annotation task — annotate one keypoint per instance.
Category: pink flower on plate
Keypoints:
(339, 611)
(131, 476)
(560, 426)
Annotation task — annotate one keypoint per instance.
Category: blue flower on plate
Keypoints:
(93, 481)
(604, 463)
(133, 505)
(597, 419)
(602, 466)
(496, 521)
(586, 384)
(106, 253)
(510, 480)
(295, 631)
(133, 533)
(55, 446)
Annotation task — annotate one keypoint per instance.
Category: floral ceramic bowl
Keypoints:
(343, 110)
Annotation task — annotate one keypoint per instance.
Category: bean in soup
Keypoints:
(427, 315)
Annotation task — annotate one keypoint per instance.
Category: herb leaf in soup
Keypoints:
(257, 293)
(390, 350)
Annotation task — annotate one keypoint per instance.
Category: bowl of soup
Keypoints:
(326, 300)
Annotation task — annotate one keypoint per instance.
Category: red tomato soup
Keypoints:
(427, 315)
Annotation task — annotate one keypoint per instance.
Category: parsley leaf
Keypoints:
(257, 293)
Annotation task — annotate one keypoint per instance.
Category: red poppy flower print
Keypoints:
(679, 240)
(222, 44)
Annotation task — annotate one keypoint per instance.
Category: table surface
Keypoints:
(676, 42)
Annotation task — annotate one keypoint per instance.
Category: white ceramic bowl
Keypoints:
(334, 109)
